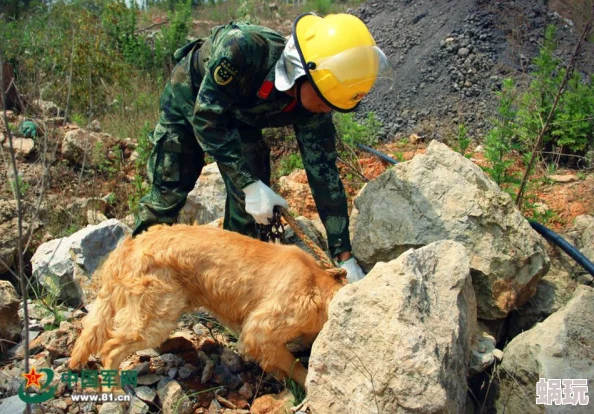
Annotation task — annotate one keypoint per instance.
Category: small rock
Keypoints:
(133, 156)
(414, 139)
(231, 360)
(95, 125)
(147, 353)
(172, 372)
(164, 381)
(273, 403)
(567, 178)
(463, 52)
(225, 402)
(208, 371)
(246, 391)
(142, 369)
(88, 408)
(178, 342)
(23, 147)
(60, 361)
(585, 279)
(42, 362)
(60, 404)
(112, 408)
(173, 399)
(95, 217)
(498, 354)
(138, 406)
(187, 370)
(223, 376)
(199, 329)
(48, 320)
(78, 314)
(148, 379)
(171, 360)
(12, 405)
(145, 394)
(10, 322)
(209, 345)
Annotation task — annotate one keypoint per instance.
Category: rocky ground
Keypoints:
(449, 57)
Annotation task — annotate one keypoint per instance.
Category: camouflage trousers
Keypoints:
(174, 165)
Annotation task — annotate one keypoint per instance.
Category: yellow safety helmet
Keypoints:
(340, 58)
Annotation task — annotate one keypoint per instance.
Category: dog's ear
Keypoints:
(339, 275)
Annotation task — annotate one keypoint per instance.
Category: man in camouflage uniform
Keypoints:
(223, 91)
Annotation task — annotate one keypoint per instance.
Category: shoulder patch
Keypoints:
(224, 72)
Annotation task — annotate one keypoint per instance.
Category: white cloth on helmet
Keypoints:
(288, 68)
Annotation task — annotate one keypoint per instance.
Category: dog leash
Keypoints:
(323, 259)
(275, 230)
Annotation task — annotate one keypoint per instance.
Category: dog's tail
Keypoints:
(96, 327)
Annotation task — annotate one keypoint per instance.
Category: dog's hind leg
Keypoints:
(145, 322)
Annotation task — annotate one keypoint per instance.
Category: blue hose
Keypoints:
(378, 154)
(545, 232)
(564, 245)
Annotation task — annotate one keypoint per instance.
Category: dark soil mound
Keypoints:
(449, 58)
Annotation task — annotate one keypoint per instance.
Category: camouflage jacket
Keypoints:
(233, 73)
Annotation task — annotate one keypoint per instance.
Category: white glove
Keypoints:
(260, 201)
(354, 272)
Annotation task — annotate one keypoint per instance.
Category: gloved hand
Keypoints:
(354, 272)
(260, 201)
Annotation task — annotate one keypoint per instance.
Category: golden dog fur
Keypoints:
(268, 294)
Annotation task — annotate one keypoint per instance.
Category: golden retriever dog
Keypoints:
(266, 293)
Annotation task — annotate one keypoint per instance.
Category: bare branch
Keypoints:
(17, 196)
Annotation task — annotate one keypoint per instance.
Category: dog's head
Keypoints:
(338, 274)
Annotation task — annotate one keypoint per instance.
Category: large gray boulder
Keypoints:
(63, 266)
(441, 195)
(206, 202)
(400, 339)
(552, 293)
(581, 235)
(584, 228)
(561, 347)
(558, 286)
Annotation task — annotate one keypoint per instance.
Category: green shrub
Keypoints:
(290, 163)
(322, 6)
(463, 139)
(143, 148)
(499, 142)
(353, 132)
(572, 124)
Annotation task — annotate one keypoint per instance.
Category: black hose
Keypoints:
(378, 154)
(545, 232)
(564, 245)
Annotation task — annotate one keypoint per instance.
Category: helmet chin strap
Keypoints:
(298, 85)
